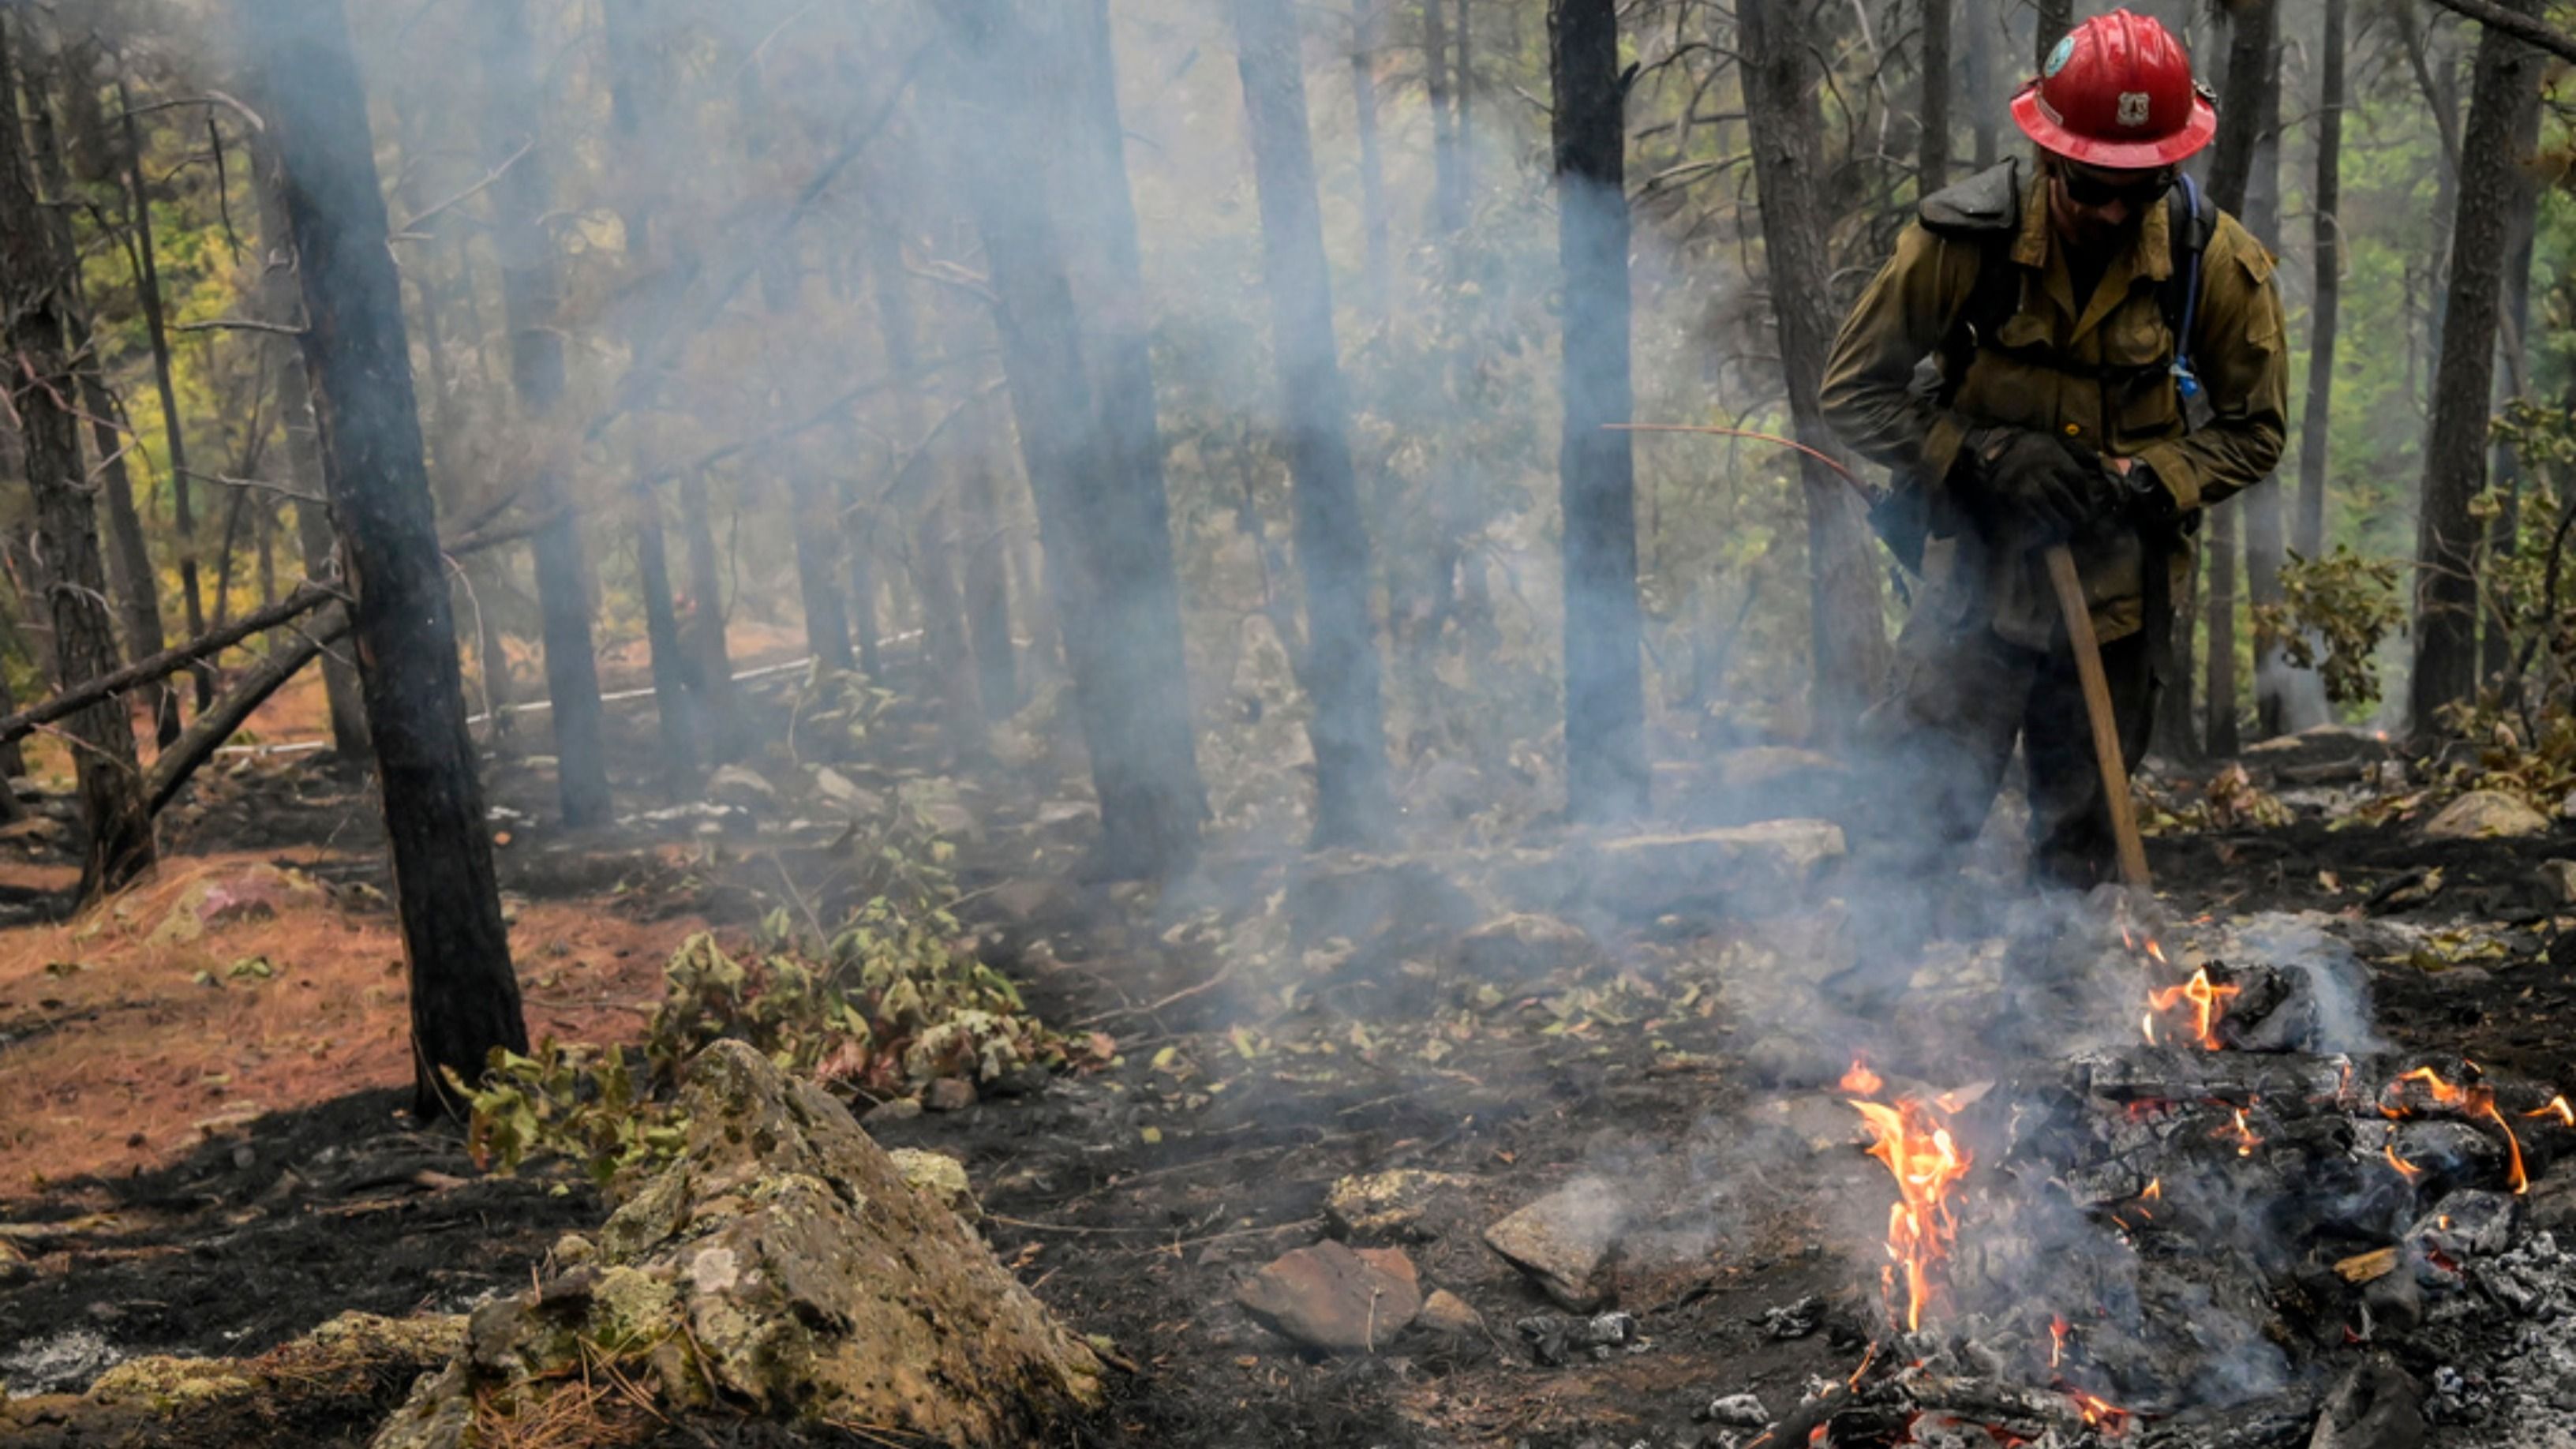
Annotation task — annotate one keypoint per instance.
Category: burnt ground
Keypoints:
(1133, 1199)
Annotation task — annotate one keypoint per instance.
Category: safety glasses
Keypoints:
(2092, 189)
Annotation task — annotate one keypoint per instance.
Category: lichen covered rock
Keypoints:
(781, 1265)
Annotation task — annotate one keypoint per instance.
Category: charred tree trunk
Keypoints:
(988, 583)
(2455, 457)
(2231, 172)
(147, 290)
(1606, 775)
(130, 574)
(2265, 536)
(1978, 18)
(1932, 146)
(1845, 629)
(1448, 198)
(464, 997)
(727, 736)
(39, 387)
(818, 568)
(633, 48)
(2317, 417)
(858, 544)
(1376, 274)
(1463, 136)
(1086, 418)
(2495, 638)
(530, 298)
(2055, 18)
(1347, 727)
(946, 648)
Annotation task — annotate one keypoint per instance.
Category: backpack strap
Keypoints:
(2190, 220)
(1983, 211)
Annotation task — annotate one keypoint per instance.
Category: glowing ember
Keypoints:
(2155, 1191)
(2404, 1168)
(2513, 1145)
(1919, 1152)
(2557, 1107)
(2057, 1327)
(2208, 1002)
(1860, 1080)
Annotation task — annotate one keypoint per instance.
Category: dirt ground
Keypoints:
(203, 1152)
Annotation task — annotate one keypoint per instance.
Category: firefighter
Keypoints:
(2073, 348)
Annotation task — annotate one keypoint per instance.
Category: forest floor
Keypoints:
(203, 1150)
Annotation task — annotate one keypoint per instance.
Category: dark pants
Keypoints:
(1961, 696)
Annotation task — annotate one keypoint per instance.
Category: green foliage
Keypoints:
(2333, 615)
(888, 1005)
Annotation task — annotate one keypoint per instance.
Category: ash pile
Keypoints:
(2218, 1235)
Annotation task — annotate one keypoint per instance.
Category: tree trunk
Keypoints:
(634, 73)
(945, 645)
(2218, 560)
(2055, 18)
(1606, 774)
(530, 297)
(2250, 29)
(2495, 640)
(2318, 416)
(1932, 145)
(1463, 136)
(2264, 533)
(2455, 460)
(137, 587)
(1845, 630)
(1376, 274)
(147, 290)
(988, 581)
(302, 444)
(464, 997)
(38, 389)
(818, 565)
(2178, 725)
(858, 544)
(1347, 726)
(1448, 211)
(727, 736)
(1978, 17)
(1086, 421)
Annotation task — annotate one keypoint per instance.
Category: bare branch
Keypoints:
(2521, 27)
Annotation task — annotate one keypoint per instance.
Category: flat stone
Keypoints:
(1380, 1204)
(1738, 1411)
(2485, 815)
(949, 1094)
(1565, 1241)
(891, 1110)
(1335, 1298)
(839, 790)
(1445, 1312)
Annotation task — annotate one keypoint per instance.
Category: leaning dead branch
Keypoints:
(173, 766)
(307, 597)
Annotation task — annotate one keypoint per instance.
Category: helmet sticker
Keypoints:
(2059, 55)
(2133, 108)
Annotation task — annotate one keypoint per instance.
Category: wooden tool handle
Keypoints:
(2097, 707)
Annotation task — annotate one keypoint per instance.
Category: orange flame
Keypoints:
(2478, 1101)
(2057, 1326)
(1860, 1080)
(2557, 1105)
(2099, 1413)
(2246, 1141)
(2208, 1002)
(1919, 1152)
(2155, 1191)
(2405, 1169)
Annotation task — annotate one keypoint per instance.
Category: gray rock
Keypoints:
(1524, 947)
(949, 1094)
(739, 787)
(1565, 1242)
(2558, 877)
(2485, 815)
(1446, 1313)
(812, 1282)
(890, 1111)
(838, 789)
(1738, 1411)
(1335, 1298)
(939, 1177)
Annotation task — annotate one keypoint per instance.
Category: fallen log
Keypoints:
(307, 597)
(216, 724)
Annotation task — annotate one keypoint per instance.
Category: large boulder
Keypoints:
(782, 1265)
(1735, 871)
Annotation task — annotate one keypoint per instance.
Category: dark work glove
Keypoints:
(2022, 475)
(2145, 498)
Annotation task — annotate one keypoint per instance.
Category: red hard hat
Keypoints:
(2117, 93)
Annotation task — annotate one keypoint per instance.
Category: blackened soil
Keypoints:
(262, 1234)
